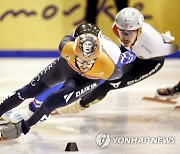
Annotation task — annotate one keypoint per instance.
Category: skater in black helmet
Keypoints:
(86, 60)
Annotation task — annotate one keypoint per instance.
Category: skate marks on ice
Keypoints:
(122, 113)
(33, 143)
(52, 136)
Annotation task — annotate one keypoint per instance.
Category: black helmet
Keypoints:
(87, 28)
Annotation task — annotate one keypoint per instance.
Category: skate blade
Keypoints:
(3, 139)
(177, 107)
(154, 99)
(55, 112)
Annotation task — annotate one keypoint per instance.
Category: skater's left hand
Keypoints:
(167, 37)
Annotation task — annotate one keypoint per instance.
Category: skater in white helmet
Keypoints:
(146, 42)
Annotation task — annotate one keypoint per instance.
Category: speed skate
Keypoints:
(160, 100)
(1, 136)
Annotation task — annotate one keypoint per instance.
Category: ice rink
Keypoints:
(130, 124)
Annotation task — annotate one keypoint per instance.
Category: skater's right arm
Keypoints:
(151, 43)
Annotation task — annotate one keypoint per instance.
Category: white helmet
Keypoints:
(129, 19)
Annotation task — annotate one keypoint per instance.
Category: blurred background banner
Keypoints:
(39, 25)
(32, 24)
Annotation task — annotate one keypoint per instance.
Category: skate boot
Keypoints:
(22, 112)
(75, 107)
(169, 93)
(71, 108)
(4, 119)
(10, 131)
(165, 95)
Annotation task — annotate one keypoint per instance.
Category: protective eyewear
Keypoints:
(88, 62)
